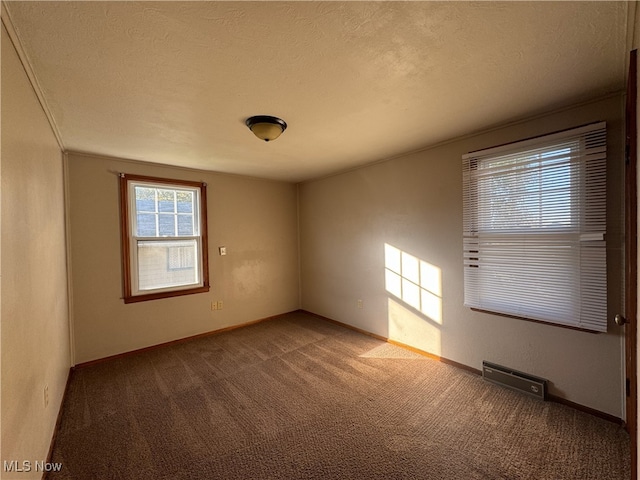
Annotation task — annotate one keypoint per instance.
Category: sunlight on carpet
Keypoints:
(387, 350)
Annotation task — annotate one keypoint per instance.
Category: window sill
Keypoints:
(159, 295)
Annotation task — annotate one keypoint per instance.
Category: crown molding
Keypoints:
(26, 64)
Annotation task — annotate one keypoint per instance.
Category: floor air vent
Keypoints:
(523, 382)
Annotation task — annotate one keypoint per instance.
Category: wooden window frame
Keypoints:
(125, 231)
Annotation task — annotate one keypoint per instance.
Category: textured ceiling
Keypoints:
(173, 82)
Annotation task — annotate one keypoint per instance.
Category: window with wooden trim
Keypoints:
(534, 229)
(164, 237)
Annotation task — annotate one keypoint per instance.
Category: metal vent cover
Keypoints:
(507, 377)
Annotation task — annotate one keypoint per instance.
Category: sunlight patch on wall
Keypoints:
(407, 327)
(414, 281)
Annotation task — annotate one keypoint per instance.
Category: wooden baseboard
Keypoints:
(550, 397)
(583, 408)
(56, 428)
(173, 342)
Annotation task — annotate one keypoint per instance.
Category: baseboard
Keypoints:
(56, 428)
(550, 397)
(180, 340)
(583, 408)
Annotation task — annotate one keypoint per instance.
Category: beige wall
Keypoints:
(35, 325)
(414, 203)
(255, 219)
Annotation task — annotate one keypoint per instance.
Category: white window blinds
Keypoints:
(534, 228)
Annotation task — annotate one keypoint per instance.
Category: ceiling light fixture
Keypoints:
(266, 127)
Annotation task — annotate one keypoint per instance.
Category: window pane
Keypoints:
(185, 202)
(145, 199)
(166, 225)
(146, 225)
(163, 264)
(185, 225)
(181, 258)
(166, 201)
(527, 192)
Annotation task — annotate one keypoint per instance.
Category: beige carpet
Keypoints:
(300, 398)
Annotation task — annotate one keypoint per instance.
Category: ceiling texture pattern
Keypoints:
(357, 82)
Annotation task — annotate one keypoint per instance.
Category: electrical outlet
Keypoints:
(219, 304)
(46, 396)
(360, 304)
(214, 305)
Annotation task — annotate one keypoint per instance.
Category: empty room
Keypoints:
(318, 240)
